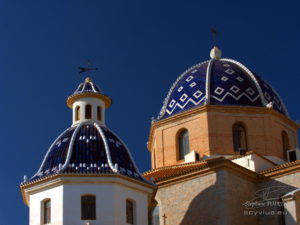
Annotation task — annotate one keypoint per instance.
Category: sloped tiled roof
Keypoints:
(281, 168)
(170, 172)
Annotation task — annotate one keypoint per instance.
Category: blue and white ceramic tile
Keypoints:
(230, 84)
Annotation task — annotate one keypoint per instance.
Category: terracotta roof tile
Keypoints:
(168, 172)
(280, 167)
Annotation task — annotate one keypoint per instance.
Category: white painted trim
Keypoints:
(130, 156)
(291, 193)
(208, 78)
(70, 149)
(106, 146)
(77, 88)
(93, 87)
(83, 87)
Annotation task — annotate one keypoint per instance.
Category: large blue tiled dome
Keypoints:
(88, 149)
(220, 82)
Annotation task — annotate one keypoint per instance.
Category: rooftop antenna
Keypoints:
(87, 69)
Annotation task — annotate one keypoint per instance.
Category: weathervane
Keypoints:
(214, 36)
(86, 69)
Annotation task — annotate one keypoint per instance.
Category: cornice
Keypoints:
(71, 99)
(207, 167)
(223, 163)
(281, 170)
(59, 179)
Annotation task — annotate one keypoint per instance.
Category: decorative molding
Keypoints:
(201, 168)
(106, 146)
(218, 108)
(59, 179)
(130, 156)
(70, 100)
(207, 84)
(70, 149)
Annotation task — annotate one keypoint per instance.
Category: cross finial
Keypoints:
(214, 36)
(215, 52)
(165, 218)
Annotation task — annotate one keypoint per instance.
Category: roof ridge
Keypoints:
(183, 165)
(281, 166)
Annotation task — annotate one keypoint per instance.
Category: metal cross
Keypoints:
(214, 36)
(165, 218)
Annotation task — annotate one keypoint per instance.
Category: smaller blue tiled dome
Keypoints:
(88, 89)
(220, 81)
(88, 149)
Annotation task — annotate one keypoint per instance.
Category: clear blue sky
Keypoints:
(141, 47)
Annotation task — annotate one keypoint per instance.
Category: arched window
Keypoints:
(99, 113)
(183, 143)
(46, 211)
(130, 211)
(77, 113)
(88, 112)
(88, 207)
(155, 215)
(239, 136)
(285, 143)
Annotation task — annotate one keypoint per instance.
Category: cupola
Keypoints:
(88, 103)
(220, 107)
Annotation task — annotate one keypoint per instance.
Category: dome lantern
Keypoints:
(88, 103)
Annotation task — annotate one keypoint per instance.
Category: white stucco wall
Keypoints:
(291, 217)
(141, 205)
(111, 194)
(253, 162)
(55, 194)
(94, 102)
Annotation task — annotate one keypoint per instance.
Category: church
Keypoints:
(224, 151)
